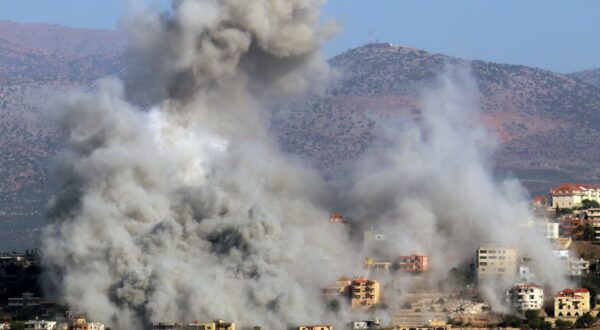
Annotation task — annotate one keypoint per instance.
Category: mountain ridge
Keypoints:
(530, 110)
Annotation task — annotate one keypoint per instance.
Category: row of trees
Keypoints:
(533, 320)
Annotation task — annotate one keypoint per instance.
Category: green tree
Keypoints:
(585, 321)
(588, 204)
(546, 326)
(511, 321)
(533, 319)
(562, 324)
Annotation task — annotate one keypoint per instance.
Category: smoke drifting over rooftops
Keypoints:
(187, 210)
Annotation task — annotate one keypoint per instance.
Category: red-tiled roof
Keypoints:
(571, 187)
(571, 293)
(566, 187)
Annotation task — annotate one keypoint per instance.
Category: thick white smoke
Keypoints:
(187, 210)
(432, 189)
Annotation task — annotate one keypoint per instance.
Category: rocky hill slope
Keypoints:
(591, 76)
(36, 62)
(549, 123)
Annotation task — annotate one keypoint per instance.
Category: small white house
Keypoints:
(524, 297)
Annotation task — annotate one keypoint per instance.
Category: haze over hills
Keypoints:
(548, 123)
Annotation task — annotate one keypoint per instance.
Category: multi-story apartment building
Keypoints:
(571, 304)
(524, 297)
(569, 195)
(341, 288)
(80, 323)
(548, 230)
(496, 260)
(316, 327)
(39, 325)
(364, 293)
(414, 263)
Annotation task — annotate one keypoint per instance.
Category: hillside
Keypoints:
(591, 76)
(549, 123)
(36, 61)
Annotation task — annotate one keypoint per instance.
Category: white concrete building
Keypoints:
(548, 230)
(578, 267)
(524, 297)
(39, 325)
(525, 274)
(366, 324)
(496, 260)
(572, 266)
(569, 195)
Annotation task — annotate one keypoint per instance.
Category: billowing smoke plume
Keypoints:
(186, 211)
(432, 189)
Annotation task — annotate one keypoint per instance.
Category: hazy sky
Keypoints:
(562, 36)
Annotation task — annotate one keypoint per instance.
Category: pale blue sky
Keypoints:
(563, 36)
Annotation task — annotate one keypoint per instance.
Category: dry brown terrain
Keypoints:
(548, 123)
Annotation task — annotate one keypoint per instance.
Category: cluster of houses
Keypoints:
(76, 323)
(573, 202)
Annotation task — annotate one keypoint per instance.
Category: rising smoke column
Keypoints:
(186, 211)
(432, 189)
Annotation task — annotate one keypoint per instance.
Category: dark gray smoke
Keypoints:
(186, 211)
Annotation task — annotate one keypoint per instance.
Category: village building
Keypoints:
(569, 195)
(496, 260)
(569, 227)
(80, 323)
(548, 230)
(366, 324)
(562, 243)
(381, 266)
(414, 263)
(39, 325)
(336, 217)
(215, 325)
(571, 304)
(526, 275)
(364, 293)
(341, 288)
(572, 266)
(592, 214)
(316, 327)
(524, 297)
